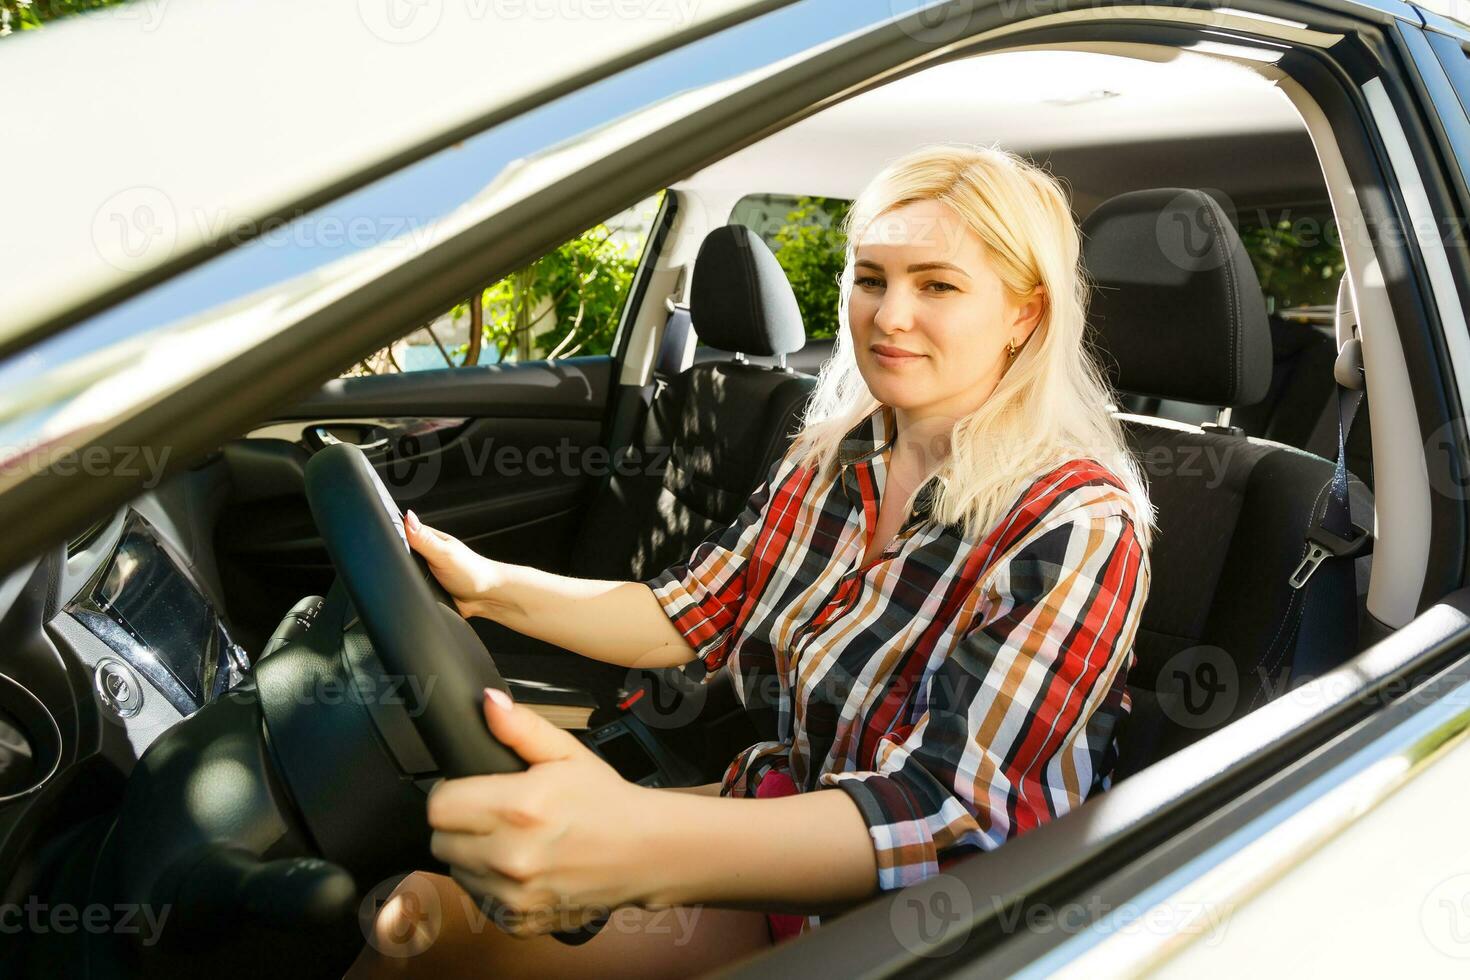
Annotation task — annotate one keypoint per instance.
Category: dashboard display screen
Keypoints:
(148, 611)
(146, 595)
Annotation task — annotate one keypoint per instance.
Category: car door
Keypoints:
(1149, 874)
(501, 455)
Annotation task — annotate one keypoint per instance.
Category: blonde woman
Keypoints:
(942, 576)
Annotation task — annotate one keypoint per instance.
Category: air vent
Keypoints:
(83, 541)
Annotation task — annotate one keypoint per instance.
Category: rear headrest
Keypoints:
(741, 299)
(1177, 311)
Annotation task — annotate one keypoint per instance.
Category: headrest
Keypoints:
(741, 299)
(1177, 311)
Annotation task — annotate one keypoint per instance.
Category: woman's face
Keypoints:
(929, 317)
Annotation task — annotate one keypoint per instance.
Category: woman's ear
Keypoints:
(1028, 315)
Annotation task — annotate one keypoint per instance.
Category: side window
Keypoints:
(805, 233)
(566, 303)
(1297, 255)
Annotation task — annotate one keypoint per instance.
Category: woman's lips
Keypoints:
(894, 356)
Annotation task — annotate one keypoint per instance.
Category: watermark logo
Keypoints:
(1445, 917)
(401, 917)
(1449, 474)
(669, 699)
(1199, 687)
(400, 21)
(413, 465)
(34, 917)
(1189, 231)
(934, 23)
(927, 919)
(147, 14)
(135, 228)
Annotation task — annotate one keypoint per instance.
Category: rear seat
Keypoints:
(1222, 625)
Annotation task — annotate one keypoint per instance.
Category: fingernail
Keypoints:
(412, 521)
(501, 699)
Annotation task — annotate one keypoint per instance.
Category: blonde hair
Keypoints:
(1052, 403)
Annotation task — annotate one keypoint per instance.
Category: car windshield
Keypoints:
(71, 387)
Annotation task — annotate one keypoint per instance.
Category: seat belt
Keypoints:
(1335, 536)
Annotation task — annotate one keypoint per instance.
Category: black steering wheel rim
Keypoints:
(413, 634)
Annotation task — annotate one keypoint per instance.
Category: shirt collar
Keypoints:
(873, 435)
(869, 444)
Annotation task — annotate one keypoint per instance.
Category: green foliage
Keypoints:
(27, 15)
(1299, 262)
(809, 245)
(565, 303)
(1298, 259)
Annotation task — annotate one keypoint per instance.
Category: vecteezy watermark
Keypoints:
(141, 226)
(1449, 474)
(1445, 916)
(934, 917)
(676, 922)
(35, 917)
(929, 918)
(401, 916)
(129, 462)
(1188, 230)
(664, 698)
(411, 692)
(135, 228)
(147, 14)
(567, 458)
(400, 21)
(404, 916)
(410, 21)
(1199, 687)
(1165, 918)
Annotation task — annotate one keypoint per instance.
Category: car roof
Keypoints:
(1046, 103)
(153, 138)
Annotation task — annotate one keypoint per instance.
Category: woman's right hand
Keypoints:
(471, 579)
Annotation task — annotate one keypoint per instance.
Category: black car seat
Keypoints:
(1302, 358)
(1182, 318)
(709, 437)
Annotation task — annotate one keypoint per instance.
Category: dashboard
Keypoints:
(107, 642)
(110, 641)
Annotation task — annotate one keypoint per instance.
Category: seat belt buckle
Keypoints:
(1323, 544)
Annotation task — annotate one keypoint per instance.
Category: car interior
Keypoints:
(1230, 400)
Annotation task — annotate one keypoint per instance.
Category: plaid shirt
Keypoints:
(960, 690)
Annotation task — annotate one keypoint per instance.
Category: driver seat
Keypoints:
(710, 436)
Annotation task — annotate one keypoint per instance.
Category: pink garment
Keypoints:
(783, 925)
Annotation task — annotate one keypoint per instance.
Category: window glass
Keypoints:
(1297, 254)
(566, 303)
(805, 233)
(104, 369)
(1296, 251)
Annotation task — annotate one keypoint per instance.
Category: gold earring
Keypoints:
(1011, 350)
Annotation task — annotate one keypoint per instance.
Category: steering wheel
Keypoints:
(414, 627)
(415, 633)
(263, 816)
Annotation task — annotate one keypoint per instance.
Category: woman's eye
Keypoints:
(869, 281)
(942, 287)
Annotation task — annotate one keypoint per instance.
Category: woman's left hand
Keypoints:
(554, 846)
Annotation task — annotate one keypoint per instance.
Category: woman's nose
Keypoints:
(895, 313)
